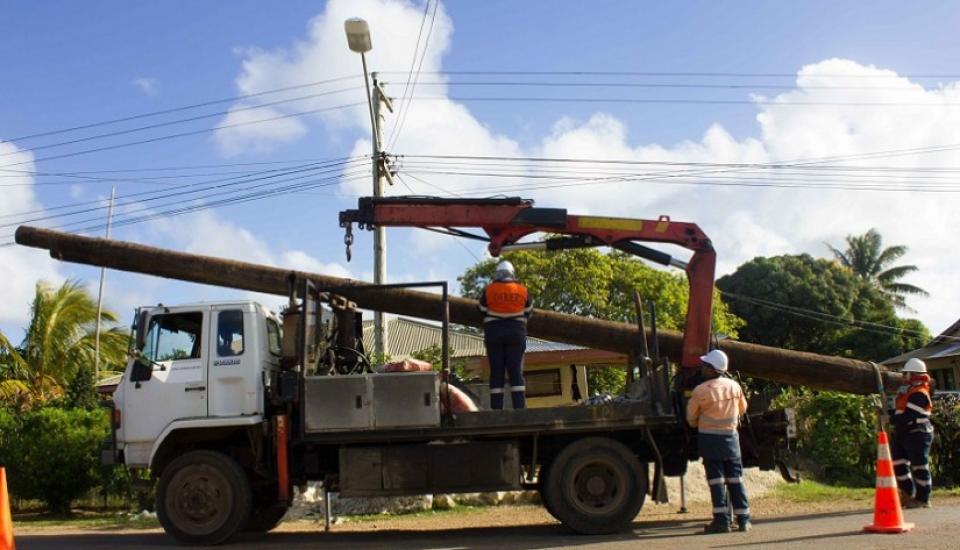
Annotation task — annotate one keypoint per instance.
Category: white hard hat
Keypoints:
(504, 271)
(914, 365)
(716, 359)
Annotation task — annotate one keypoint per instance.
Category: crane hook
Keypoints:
(348, 241)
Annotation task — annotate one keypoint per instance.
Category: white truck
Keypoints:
(230, 406)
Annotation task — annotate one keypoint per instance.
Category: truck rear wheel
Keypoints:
(596, 486)
(203, 497)
(265, 519)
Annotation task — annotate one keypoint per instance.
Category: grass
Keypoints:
(84, 520)
(460, 509)
(811, 491)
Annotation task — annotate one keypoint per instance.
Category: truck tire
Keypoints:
(203, 497)
(266, 518)
(596, 486)
(541, 488)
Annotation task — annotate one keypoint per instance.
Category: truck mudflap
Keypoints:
(109, 453)
(765, 439)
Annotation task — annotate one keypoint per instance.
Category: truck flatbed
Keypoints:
(608, 416)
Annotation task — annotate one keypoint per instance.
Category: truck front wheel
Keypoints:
(203, 497)
(596, 486)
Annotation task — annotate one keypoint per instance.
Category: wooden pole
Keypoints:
(779, 365)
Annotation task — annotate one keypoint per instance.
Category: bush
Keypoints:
(836, 435)
(945, 454)
(52, 454)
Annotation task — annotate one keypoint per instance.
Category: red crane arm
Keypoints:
(507, 220)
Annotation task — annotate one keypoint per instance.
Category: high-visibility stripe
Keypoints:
(921, 467)
(715, 481)
(883, 452)
(741, 511)
(496, 390)
(489, 319)
(904, 477)
(922, 421)
(886, 483)
(918, 409)
(717, 431)
(900, 461)
(924, 482)
(734, 480)
(721, 510)
(518, 388)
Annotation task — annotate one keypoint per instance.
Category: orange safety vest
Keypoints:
(506, 299)
(922, 385)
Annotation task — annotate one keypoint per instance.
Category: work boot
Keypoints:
(744, 526)
(905, 499)
(715, 527)
(914, 503)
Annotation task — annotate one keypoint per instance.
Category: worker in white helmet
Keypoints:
(913, 435)
(714, 409)
(506, 306)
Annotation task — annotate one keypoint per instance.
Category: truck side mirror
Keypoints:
(142, 318)
(142, 370)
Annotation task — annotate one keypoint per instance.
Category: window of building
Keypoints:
(543, 383)
(945, 378)
(230, 333)
(174, 336)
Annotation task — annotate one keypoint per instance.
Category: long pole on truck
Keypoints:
(358, 39)
(103, 276)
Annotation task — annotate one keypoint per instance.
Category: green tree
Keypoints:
(591, 283)
(807, 304)
(869, 260)
(59, 342)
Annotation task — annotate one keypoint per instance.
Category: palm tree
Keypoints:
(58, 343)
(867, 258)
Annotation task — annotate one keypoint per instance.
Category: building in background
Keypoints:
(942, 356)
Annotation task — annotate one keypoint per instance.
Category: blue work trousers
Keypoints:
(506, 343)
(724, 468)
(911, 463)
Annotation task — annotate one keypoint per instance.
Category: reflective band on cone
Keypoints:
(887, 516)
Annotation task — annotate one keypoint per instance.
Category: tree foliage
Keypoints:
(808, 304)
(59, 343)
(866, 257)
(591, 283)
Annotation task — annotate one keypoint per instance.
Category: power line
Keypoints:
(245, 178)
(413, 63)
(406, 107)
(684, 101)
(186, 134)
(667, 85)
(180, 121)
(705, 74)
(180, 109)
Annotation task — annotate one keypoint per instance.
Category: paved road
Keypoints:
(936, 528)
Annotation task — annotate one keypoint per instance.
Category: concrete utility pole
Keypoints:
(358, 39)
(381, 336)
(103, 275)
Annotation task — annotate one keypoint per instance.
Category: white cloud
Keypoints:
(810, 121)
(246, 134)
(20, 267)
(147, 85)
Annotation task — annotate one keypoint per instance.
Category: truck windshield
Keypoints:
(174, 336)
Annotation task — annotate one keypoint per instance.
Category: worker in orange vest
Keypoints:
(506, 306)
(913, 435)
(714, 409)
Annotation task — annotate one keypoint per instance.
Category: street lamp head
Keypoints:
(358, 35)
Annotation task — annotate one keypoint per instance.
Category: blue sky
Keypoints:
(73, 63)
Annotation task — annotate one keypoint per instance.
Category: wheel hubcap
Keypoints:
(199, 500)
(597, 487)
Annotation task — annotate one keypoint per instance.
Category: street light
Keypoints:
(358, 39)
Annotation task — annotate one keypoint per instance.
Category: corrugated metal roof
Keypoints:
(408, 336)
(946, 344)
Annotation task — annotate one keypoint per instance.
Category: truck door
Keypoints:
(177, 387)
(236, 354)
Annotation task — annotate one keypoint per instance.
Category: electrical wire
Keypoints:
(180, 121)
(185, 134)
(413, 63)
(685, 101)
(705, 74)
(406, 107)
(666, 85)
(180, 109)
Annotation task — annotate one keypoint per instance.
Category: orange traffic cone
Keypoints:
(6, 520)
(887, 516)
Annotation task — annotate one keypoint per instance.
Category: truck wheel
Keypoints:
(541, 488)
(596, 486)
(203, 497)
(265, 519)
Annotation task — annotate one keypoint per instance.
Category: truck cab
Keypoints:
(193, 365)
